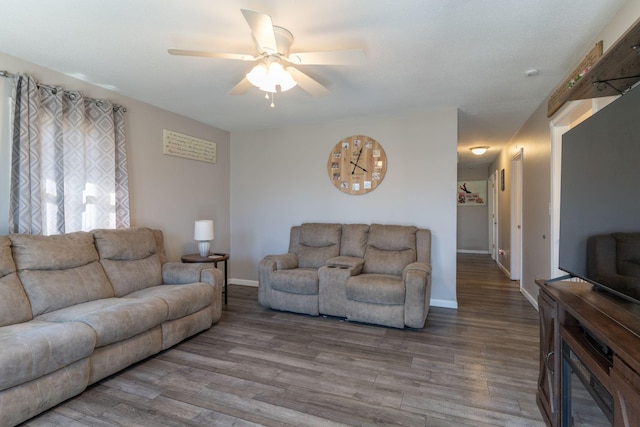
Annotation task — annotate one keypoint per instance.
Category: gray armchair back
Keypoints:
(315, 243)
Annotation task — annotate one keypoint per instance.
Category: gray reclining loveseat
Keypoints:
(78, 307)
(375, 273)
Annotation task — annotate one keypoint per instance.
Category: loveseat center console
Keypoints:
(589, 357)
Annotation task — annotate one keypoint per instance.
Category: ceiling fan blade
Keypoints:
(241, 88)
(332, 57)
(261, 30)
(223, 55)
(307, 83)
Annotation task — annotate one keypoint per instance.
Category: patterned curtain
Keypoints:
(68, 161)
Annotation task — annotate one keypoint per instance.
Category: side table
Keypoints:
(215, 259)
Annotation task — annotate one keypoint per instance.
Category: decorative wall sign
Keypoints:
(472, 193)
(357, 164)
(189, 147)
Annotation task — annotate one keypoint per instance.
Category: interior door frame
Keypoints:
(493, 215)
(515, 268)
(569, 116)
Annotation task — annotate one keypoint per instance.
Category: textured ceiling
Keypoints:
(421, 55)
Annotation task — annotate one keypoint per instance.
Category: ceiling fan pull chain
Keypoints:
(272, 100)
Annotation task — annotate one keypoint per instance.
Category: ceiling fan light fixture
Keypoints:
(479, 151)
(267, 77)
(258, 75)
(268, 87)
(286, 80)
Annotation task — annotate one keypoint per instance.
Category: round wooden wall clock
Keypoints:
(357, 164)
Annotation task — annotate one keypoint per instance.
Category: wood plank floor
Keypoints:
(475, 366)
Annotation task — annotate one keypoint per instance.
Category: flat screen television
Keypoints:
(600, 184)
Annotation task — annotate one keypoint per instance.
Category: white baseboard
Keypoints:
(242, 282)
(434, 302)
(472, 251)
(504, 269)
(529, 298)
(444, 303)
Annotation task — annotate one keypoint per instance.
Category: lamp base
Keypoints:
(203, 248)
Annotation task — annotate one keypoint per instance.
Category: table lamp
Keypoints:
(203, 233)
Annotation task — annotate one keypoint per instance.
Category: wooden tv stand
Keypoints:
(599, 331)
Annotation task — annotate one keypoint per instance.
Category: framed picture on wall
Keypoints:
(502, 180)
(472, 193)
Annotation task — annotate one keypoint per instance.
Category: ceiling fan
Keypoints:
(275, 69)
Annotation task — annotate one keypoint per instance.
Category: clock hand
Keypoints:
(355, 165)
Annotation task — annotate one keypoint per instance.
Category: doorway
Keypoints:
(493, 215)
(516, 212)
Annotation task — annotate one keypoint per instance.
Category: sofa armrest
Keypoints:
(332, 283)
(268, 265)
(284, 261)
(177, 273)
(416, 266)
(351, 262)
(174, 273)
(417, 279)
(212, 276)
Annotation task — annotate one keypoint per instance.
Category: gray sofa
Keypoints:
(78, 307)
(378, 274)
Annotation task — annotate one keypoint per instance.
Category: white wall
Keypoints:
(166, 192)
(279, 179)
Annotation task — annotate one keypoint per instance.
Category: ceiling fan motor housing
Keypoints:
(284, 38)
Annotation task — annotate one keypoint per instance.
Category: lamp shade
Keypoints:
(203, 230)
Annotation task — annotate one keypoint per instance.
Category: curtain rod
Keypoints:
(5, 73)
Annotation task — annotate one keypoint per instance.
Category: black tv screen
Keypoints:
(600, 185)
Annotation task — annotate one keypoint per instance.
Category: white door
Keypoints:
(493, 215)
(516, 217)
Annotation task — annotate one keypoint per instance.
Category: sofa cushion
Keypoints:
(302, 281)
(33, 349)
(125, 244)
(130, 259)
(319, 234)
(377, 261)
(376, 288)
(59, 271)
(7, 266)
(354, 240)
(182, 300)
(59, 252)
(318, 242)
(392, 237)
(390, 248)
(14, 305)
(114, 319)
